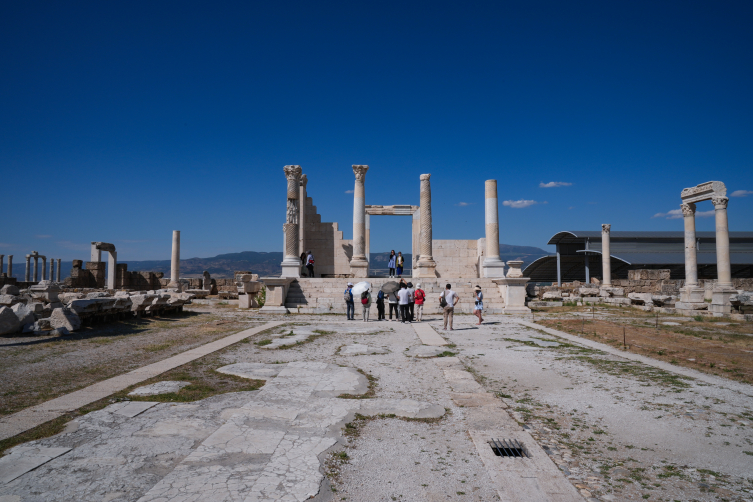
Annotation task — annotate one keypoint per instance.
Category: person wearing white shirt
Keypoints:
(451, 299)
(404, 299)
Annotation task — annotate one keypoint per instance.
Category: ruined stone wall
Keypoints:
(458, 259)
(332, 253)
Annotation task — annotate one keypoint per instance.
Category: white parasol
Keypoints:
(361, 287)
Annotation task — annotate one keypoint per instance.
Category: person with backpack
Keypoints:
(447, 301)
(350, 308)
(391, 264)
(366, 304)
(380, 305)
(310, 263)
(412, 303)
(392, 299)
(400, 262)
(479, 306)
(303, 264)
(419, 295)
(404, 297)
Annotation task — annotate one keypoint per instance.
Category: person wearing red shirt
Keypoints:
(419, 295)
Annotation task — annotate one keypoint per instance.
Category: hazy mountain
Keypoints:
(268, 264)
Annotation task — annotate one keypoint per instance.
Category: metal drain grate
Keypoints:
(508, 448)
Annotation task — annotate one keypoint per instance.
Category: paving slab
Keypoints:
(427, 335)
(23, 460)
(358, 349)
(164, 387)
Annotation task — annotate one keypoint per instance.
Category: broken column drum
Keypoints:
(291, 264)
(175, 262)
(493, 266)
(606, 258)
(426, 266)
(359, 265)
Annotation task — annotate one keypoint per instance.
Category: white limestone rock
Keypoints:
(154, 389)
(552, 295)
(358, 349)
(98, 294)
(744, 298)
(256, 371)
(67, 298)
(24, 313)
(41, 326)
(641, 298)
(9, 300)
(662, 300)
(588, 291)
(65, 318)
(9, 289)
(9, 323)
(610, 292)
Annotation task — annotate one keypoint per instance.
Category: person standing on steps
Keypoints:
(310, 263)
(479, 306)
(366, 304)
(350, 308)
(391, 264)
(412, 304)
(303, 264)
(380, 305)
(403, 296)
(392, 299)
(419, 295)
(400, 262)
(447, 300)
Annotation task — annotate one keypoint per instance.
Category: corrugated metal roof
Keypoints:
(573, 236)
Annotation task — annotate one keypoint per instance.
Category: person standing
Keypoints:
(419, 295)
(392, 299)
(303, 264)
(391, 264)
(404, 298)
(366, 304)
(350, 308)
(479, 306)
(380, 305)
(412, 304)
(447, 300)
(400, 262)
(310, 263)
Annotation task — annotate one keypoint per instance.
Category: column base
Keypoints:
(174, 286)
(426, 269)
(359, 268)
(493, 268)
(692, 294)
(720, 303)
(291, 268)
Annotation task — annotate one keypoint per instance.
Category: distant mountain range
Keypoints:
(268, 264)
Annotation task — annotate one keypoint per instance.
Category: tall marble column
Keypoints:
(302, 214)
(2, 258)
(291, 263)
(112, 261)
(10, 265)
(492, 266)
(174, 262)
(36, 271)
(359, 265)
(44, 268)
(723, 267)
(691, 260)
(606, 256)
(426, 266)
(51, 273)
(27, 276)
(57, 269)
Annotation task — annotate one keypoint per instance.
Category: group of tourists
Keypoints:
(307, 264)
(407, 302)
(396, 264)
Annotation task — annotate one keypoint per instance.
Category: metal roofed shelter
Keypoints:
(637, 250)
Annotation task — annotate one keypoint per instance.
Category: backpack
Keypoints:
(348, 296)
(380, 295)
(365, 297)
(442, 301)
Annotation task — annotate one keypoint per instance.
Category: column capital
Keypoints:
(720, 202)
(425, 177)
(292, 172)
(28, 256)
(360, 171)
(606, 228)
(688, 208)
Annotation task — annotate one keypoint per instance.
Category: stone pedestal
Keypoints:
(720, 303)
(248, 289)
(426, 267)
(359, 265)
(277, 291)
(492, 266)
(513, 290)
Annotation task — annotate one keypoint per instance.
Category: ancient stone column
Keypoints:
(57, 269)
(27, 277)
(10, 265)
(36, 266)
(302, 215)
(359, 265)
(44, 268)
(426, 266)
(606, 260)
(175, 262)
(2, 258)
(291, 264)
(723, 268)
(492, 266)
(112, 261)
(51, 274)
(691, 260)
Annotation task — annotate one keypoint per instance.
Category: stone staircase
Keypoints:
(324, 296)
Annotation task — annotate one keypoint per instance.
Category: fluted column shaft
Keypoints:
(691, 256)
(51, 273)
(723, 266)
(606, 255)
(427, 253)
(175, 261)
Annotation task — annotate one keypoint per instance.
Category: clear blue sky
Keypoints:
(121, 121)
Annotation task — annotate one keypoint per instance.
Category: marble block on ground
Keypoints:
(257, 371)
(165, 387)
(358, 349)
(23, 459)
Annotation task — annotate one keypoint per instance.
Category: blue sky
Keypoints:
(120, 122)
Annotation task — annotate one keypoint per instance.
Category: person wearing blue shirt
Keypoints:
(349, 305)
(392, 263)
